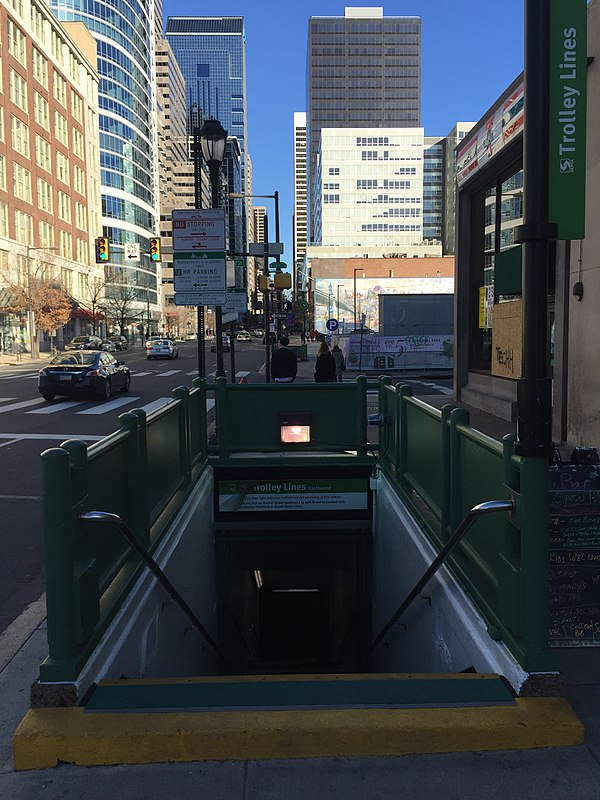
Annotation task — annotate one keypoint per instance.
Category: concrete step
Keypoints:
(299, 716)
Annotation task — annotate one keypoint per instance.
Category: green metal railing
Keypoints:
(143, 472)
(439, 465)
(442, 468)
(248, 416)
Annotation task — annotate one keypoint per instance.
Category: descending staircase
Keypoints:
(291, 716)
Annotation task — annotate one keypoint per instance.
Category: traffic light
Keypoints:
(102, 250)
(155, 249)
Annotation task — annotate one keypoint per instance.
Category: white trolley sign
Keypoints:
(199, 229)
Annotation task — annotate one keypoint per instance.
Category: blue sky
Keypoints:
(471, 52)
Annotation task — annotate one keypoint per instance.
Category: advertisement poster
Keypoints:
(382, 353)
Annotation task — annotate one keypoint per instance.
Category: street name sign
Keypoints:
(199, 229)
(279, 315)
(200, 298)
(567, 117)
(199, 271)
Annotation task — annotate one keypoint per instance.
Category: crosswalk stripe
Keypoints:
(168, 373)
(159, 403)
(22, 404)
(242, 374)
(19, 375)
(7, 399)
(54, 407)
(140, 374)
(209, 404)
(104, 408)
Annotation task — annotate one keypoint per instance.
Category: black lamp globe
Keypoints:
(213, 140)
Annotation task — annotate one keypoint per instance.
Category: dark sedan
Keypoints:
(77, 372)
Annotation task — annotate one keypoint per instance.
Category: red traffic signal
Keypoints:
(155, 249)
(102, 250)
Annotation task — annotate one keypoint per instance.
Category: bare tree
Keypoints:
(95, 304)
(122, 304)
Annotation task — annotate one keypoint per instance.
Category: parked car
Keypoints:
(85, 343)
(120, 342)
(243, 336)
(226, 344)
(161, 348)
(108, 346)
(77, 372)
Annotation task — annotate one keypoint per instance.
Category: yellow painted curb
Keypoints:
(47, 736)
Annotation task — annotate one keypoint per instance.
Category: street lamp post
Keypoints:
(339, 286)
(358, 269)
(266, 294)
(213, 141)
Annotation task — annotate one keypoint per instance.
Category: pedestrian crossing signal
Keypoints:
(155, 249)
(102, 250)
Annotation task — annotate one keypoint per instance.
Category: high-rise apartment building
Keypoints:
(125, 40)
(363, 71)
(259, 214)
(299, 222)
(452, 140)
(368, 189)
(433, 188)
(49, 162)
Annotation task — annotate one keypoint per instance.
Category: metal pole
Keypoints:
(30, 315)
(214, 185)
(198, 204)
(267, 304)
(354, 302)
(534, 388)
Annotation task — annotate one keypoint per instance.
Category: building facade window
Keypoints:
(78, 144)
(17, 43)
(19, 135)
(41, 110)
(59, 89)
(40, 68)
(21, 182)
(46, 231)
(61, 128)
(44, 195)
(65, 247)
(62, 168)
(4, 220)
(23, 227)
(17, 89)
(2, 173)
(43, 156)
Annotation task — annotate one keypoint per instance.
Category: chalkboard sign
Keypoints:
(575, 556)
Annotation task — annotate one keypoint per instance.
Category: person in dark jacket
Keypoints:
(284, 364)
(325, 366)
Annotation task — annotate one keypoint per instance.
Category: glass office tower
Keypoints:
(363, 71)
(124, 34)
(211, 53)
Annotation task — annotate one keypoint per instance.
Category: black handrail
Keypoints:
(483, 508)
(114, 519)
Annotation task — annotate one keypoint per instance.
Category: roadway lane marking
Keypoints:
(168, 373)
(20, 497)
(52, 409)
(49, 437)
(242, 374)
(22, 404)
(10, 441)
(6, 399)
(442, 389)
(105, 408)
(159, 403)
(209, 404)
(141, 374)
(19, 375)
(193, 372)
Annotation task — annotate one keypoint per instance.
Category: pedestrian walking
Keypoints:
(325, 366)
(340, 363)
(284, 364)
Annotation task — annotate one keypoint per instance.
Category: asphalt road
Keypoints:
(29, 425)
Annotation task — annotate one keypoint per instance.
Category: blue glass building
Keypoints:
(124, 33)
(211, 53)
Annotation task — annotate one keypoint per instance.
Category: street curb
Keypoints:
(18, 632)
